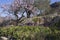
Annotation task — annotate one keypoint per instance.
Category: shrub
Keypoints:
(28, 33)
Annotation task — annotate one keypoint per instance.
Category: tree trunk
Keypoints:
(28, 14)
(16, 20)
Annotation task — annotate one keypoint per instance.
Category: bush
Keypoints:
(27, 33)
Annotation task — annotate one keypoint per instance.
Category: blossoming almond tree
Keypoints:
(28, 6)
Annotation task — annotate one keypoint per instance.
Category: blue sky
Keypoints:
(2, 2)
(9, 1)
(52, 1)
(5, 1)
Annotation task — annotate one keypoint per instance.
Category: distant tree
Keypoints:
(55, 7)
(43, 6)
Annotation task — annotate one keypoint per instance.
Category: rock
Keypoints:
(3, 38)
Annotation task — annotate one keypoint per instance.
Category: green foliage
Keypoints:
(56, 25)
(35, 19)
(28, 32)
